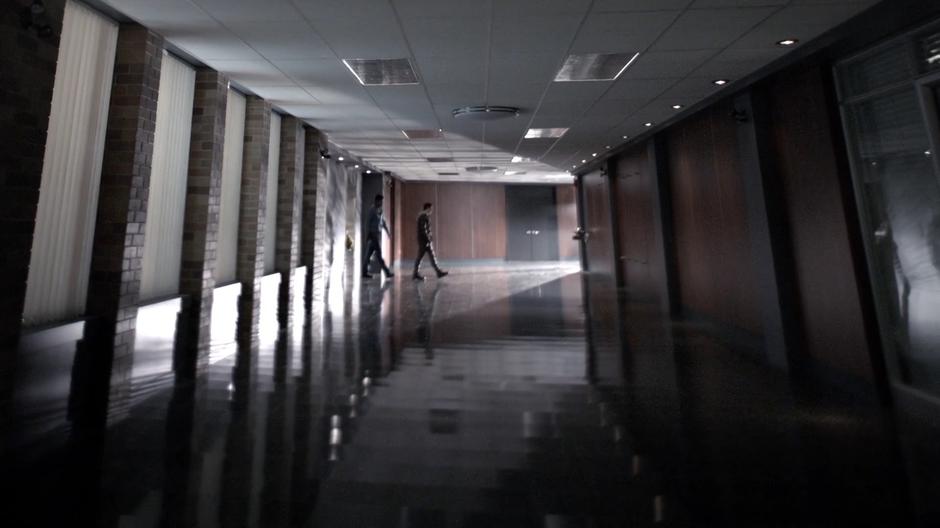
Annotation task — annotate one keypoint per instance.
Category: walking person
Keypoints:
(425, 244)
(374, 240)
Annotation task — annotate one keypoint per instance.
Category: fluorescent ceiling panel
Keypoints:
(382, 72)
(534, 133)
(422, 134)
(594, 66)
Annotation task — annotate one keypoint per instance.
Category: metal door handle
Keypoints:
(535, 232)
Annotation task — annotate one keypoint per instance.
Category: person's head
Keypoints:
(427, 207)
(379, 200)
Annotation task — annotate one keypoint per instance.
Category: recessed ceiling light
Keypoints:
(382, 72)
(606, 146)
(649, 124)
(787, 42)
(518, 159)
(535, 133)
(676, 106)
(574, 166)
(594, 66)
(341, 158)
(356, 167)
(368, 171)
(583, 161)
(626, 137)
(721, 82)
(594, 154)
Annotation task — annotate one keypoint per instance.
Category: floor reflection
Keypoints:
(516, 396)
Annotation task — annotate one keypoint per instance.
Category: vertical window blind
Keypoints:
(270, 218)
(227, 248)
(167, 199)
(68, 195)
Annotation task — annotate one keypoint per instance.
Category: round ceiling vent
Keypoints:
(485, 112)
(481, 168)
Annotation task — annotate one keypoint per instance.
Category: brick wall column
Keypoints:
(249, 266)
(290, 188)
(314, 216)
(201, 222)
(114, 283)
(27, 75)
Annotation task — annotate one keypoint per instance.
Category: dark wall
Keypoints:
(712, 245)
(633, 183)
(807, 163)
(567, 199)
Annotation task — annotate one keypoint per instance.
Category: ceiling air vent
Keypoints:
(448, 174)
(485, 113)
(481, 168)
(423, 134)
(440, 160)
(382, 72)
(594, 66)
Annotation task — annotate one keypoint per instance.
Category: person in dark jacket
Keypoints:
(425, 243)
(374, 240)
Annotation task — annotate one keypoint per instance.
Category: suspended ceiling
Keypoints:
(477, 52)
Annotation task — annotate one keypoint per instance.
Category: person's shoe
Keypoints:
(366, 276)
(389, 274)
(442, 274)
(417, 277)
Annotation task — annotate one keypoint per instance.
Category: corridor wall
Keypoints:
(231, 187)
(270, 219)
(713, 251)
(163, 239)
(57, 285)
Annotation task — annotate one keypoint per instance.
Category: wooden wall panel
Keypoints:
(806, 162)
(567, 201)
(597, 219)
(453, 219)
(489, 220)
(715, 268)
(633, 187)
(414, 195)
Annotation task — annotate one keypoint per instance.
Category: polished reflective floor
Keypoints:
(501, 396)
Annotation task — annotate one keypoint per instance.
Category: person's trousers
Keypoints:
(429, 250)
(374, 245)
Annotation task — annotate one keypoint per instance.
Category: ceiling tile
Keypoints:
(711, 28)
(622, 32)
(535, 33)
(639, 88)
(249, 10)
(293, 39)
(447, 36)
(251, 73)
(666, 64)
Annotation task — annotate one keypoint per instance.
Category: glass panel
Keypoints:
(901, 196)
(881, 68)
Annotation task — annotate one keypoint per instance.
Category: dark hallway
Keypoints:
(469, 263)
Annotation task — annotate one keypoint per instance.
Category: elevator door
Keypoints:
(532, 223)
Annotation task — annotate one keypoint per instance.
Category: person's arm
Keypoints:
(385, 226)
